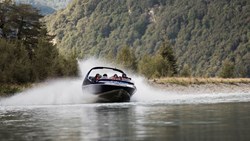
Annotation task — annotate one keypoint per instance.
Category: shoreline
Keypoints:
(202, 85)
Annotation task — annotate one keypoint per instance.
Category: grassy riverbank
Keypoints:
(185, 81)
(179, 85)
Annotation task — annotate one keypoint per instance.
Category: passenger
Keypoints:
(125, 78)
(105, 76)
(115, 77)
(124, 75)
(97, 77)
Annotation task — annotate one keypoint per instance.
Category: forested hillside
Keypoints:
(26, 52)
(207, 36)
(46, 6)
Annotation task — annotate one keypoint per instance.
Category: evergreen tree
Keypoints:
(167, 53)
(20, 22)
(154, 66)
(14, 62)
(43, 65)
(5, 8)
(186, 71)
(227, 70)
(126, 58)
(161, 67)
(26, 51)
(145, 66)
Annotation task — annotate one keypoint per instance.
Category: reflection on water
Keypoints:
(127, 121)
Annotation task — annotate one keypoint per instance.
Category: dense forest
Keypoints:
(26, 53)
(208, 38)
(46, 6)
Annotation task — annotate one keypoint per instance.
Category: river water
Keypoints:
(127, 121)
(59, 110)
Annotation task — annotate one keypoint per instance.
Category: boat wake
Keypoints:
(69, 91)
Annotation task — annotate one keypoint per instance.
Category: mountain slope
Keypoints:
(204, 33)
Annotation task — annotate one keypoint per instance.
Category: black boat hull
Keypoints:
(110, 93)
(114, 96)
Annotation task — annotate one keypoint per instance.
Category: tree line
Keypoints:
(161, 64)
(202, 33)
(26, 51)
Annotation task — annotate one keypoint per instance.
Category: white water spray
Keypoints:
(68, 91)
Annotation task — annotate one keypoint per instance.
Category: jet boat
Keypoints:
(109, 84)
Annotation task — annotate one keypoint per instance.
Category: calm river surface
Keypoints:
(127, 121)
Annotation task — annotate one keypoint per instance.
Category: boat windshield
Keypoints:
(108, 74)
